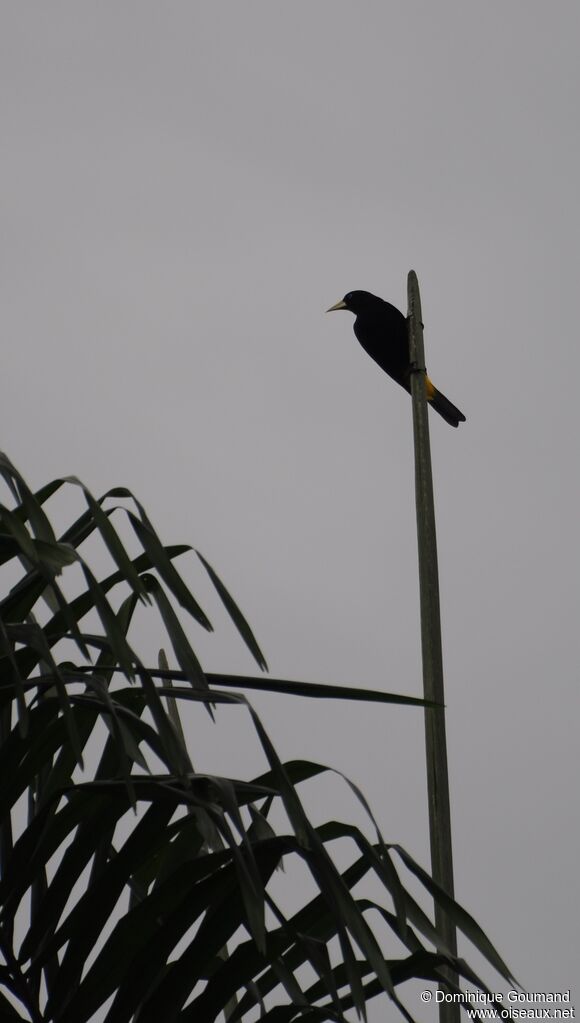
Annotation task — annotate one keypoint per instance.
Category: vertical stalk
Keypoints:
(435, 740)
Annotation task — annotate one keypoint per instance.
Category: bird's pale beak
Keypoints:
(339, 305)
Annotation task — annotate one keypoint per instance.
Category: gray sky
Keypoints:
(186, 188)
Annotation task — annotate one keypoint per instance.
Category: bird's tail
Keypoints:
(443, 406)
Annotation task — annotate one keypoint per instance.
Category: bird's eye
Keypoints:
(348, 297)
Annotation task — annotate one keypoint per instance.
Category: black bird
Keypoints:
(382, 332)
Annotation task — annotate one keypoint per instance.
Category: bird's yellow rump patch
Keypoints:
(430, 389)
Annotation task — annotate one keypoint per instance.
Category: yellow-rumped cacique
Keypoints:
(381, 329)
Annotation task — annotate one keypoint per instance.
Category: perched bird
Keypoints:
(382, 332)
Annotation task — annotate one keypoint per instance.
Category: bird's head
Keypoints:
(355, 302)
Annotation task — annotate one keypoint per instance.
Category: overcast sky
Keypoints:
(186, 188)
